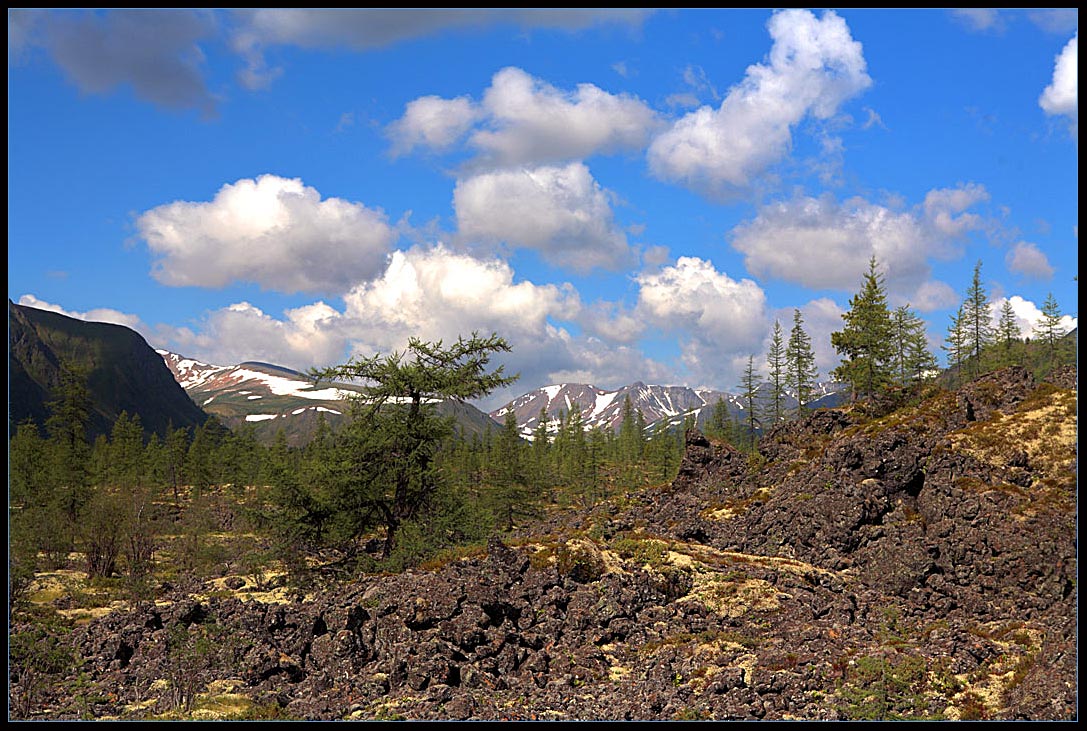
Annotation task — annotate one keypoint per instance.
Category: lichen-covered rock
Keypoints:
(895, 563)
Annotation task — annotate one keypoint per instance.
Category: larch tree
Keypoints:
(387, 474)
(912, 358)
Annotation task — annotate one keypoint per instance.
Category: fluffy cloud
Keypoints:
(714, 316)
(531, 121)
(437, 293)
(560, 211)
(1061, 97)
(362, 29)
(813, 67)
(945, 209)
(929, 296)
(307, 336)
(612, 322)
(153, 51)
(99, 314)
(1027, 259)
(525, 120)
(1028, 315)
(431, 293)
(274, 231)
(432, 122)
(823, 243)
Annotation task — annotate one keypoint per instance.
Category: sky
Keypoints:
(623, 195)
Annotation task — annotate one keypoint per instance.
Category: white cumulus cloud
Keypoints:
(1028, 315)
(562, 212)
(530, 121)
(274, 231)
(524, 120)
(814, 66)
(1061, 97)
(436, 293)
(432, 122)
(827, 244)
(305, 337)
(1027, 259)
(714, 316)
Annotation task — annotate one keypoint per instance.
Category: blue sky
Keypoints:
(624, 195)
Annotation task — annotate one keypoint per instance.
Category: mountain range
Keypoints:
(125, 374)
(662, 407)
(267, 398)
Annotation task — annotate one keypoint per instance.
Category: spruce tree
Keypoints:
(719, 425)
(749, 385)
(800, 370)
(512, 497)
(67, 428)
(865, 342)
(541, 457)
(956, 346)
(775, 361)
(1050, 329)
(912, 358)
(1008, 333)
(976, 322)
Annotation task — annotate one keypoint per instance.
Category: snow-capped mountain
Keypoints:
(661, 406)
(604, 409)
(271, 397)
(255, 381)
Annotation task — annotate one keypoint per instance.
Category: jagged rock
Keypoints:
(857, 551)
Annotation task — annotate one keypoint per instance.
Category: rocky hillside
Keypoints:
(874, 562)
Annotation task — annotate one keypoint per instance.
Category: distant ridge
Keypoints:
(267, 398)
(661, 406)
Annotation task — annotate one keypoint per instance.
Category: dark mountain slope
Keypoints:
(123, 372)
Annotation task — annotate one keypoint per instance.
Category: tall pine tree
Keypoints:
(911, 358)
(865, 342)
(775, 361)
(749, 385)
(977, 323)
(1008, 333)
(1050, 329)
(800, 370)
(956, 346)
